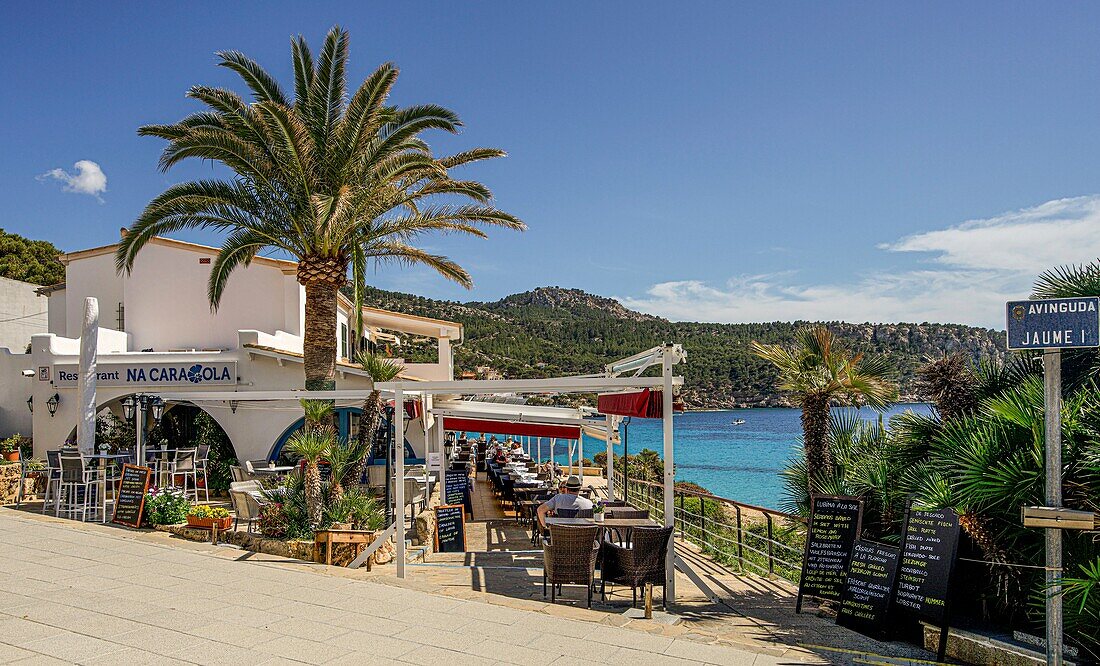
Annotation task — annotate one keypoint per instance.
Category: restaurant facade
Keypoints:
(158, 333)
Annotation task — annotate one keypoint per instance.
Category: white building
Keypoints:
(158, 333)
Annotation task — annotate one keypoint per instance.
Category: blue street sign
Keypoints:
(1054, 323)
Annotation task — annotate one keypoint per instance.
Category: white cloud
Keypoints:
(88, 178)
(1032, 240)
(975, 267)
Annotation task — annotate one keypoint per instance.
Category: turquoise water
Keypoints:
(739, 462)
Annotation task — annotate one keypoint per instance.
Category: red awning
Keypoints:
(508, 428)
(644, 404)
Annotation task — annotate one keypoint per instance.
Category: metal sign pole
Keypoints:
(1052, 398)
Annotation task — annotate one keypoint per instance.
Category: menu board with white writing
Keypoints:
(834, 527)
(929, 544)
(130, 499)
(458, 482)
(450, 529)
(865, 600)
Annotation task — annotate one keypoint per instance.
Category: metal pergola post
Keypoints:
(670, 472)
(609, 426)
(399, 476)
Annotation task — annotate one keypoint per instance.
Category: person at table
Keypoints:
(568, 499)
(517, 448)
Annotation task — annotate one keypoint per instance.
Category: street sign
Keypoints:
(1053, 323)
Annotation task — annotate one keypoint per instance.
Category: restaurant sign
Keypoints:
(1054, 323)
(162, 373)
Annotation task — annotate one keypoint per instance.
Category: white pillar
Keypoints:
(670, 472)
(540, 449)
(610, 426)
(440, 438)
(399, 476)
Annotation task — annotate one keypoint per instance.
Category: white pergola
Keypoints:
(611, 381)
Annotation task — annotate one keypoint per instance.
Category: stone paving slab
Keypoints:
(145, 611)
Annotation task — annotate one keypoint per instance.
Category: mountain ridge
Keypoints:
(551, 331)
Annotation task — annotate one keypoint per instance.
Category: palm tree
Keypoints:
(312, 445)
(329, 180)
(378, 369)
(818, 372)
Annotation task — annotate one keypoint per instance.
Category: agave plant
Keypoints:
(312, 446)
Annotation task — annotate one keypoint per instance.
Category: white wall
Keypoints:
(92, 276)
(14, 391)
(22, 314)
(56, 304)
(167, 306)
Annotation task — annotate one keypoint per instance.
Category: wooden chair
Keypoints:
(642, 563)
(569, 558)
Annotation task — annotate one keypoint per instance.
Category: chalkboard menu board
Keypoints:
(928, 546)
(865, 600)
(458, 486)
(130, 501)
(834, 527)
(450, 529)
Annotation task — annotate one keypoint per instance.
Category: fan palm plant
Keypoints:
(818, 372)
(319, 415)
(332, 181)
(378, 370)
(312, 446)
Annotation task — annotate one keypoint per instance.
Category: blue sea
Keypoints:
(739, 462)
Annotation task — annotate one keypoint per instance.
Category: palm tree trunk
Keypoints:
(313, 493)
(319, 340)
(815, 436)
(369, 421)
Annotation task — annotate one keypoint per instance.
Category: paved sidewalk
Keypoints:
(91, 594)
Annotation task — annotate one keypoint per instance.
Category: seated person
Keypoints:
(567, 499)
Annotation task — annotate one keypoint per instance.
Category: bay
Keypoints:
(740, 462)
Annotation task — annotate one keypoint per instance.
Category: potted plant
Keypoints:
(10, 447)
(598, 511)
(202, 515)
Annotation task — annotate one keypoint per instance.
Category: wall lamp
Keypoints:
(52, 403)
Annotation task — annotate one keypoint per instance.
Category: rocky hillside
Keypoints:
(551, 331)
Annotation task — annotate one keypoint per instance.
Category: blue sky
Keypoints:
(702, 161)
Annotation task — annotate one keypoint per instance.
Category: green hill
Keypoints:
(552, 331)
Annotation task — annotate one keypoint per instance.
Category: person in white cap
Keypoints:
(570, 499)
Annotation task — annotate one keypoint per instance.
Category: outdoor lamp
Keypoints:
(30, 404)
(128, 407)
(158, 407)
(51, 404)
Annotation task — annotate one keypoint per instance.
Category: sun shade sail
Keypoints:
(510, 428)
(644, 404)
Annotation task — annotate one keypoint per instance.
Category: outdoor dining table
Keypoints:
(274, 471)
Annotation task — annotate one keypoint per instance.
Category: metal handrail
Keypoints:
(728, 539)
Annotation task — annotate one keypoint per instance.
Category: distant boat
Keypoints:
(737, 422)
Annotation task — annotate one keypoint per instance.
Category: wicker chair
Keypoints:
(570, 558)
(643, 563)
(627, 513)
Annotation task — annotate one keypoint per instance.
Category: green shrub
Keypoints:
(166, 506)
(273, 521)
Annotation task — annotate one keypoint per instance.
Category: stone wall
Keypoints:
(342, 553)
(9, 483)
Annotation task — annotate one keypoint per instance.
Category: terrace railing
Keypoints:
(751, 538)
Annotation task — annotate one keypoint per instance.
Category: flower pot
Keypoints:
(12, 456)
(598, 517)
(208, 523)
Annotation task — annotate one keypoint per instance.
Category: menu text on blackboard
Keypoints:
(450, 529)
(834, 527)
(929, 544)
(130, 499)
(865, 601)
